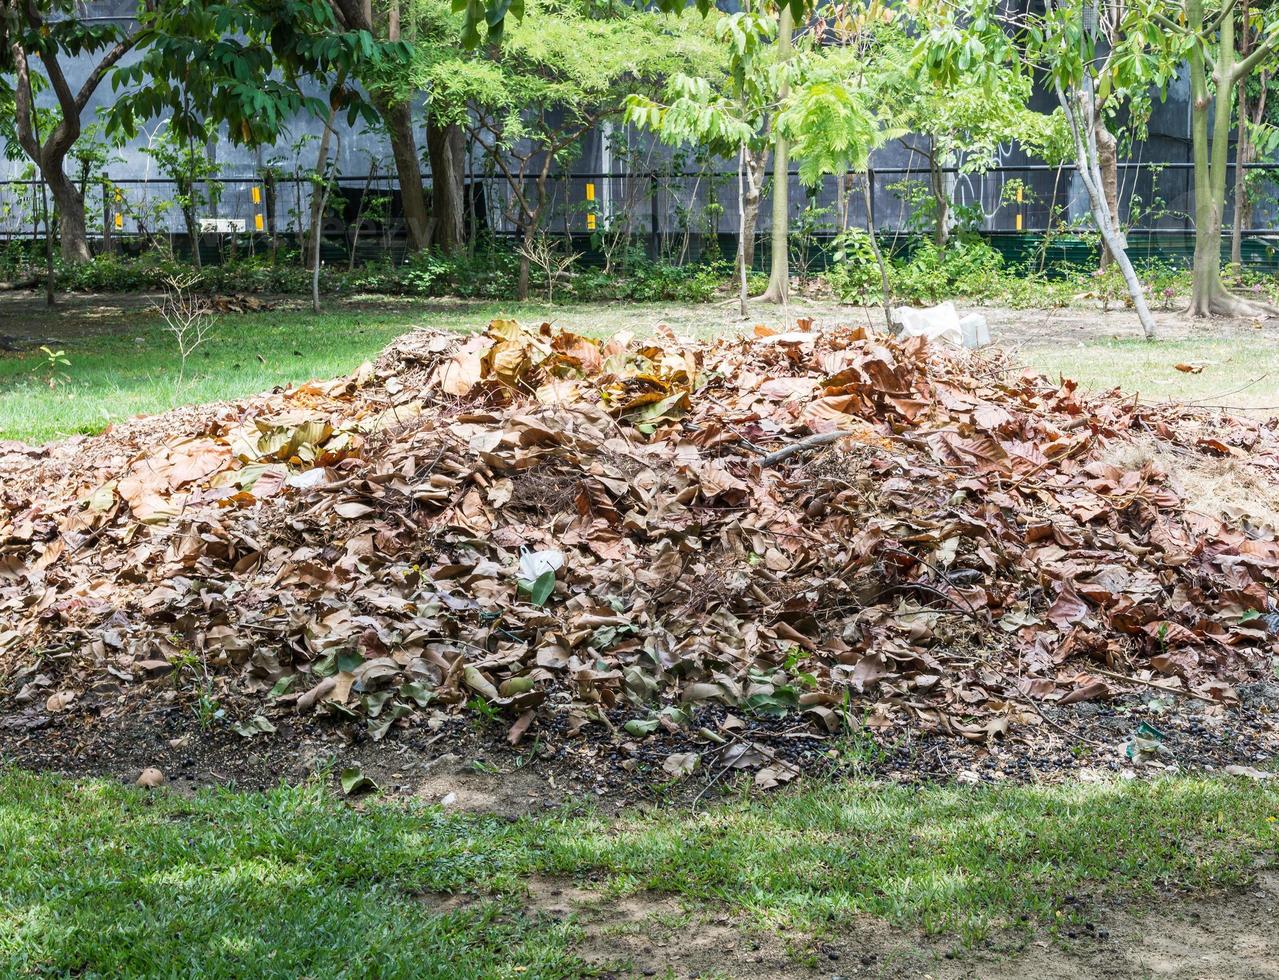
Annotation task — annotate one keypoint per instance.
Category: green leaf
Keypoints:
(257, 725)
(417, 693)
(354, 781)
(639, 727)
(348, 660)
(539, 589)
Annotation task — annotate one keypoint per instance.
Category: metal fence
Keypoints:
(678, 216)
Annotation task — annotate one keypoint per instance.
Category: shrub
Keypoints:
(967, 266)
(853, 274)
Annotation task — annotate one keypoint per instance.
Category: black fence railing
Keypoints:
(678, 216)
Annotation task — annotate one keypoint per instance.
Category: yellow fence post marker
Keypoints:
(257, 222)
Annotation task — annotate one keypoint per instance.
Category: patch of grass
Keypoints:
(102, 879)
(1149, 370)
(131, 366)
(948, 859)
(114, 376)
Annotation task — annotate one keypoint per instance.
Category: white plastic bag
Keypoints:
(534, 564)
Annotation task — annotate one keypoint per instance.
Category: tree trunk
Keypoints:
(399, 127)
(70, 206)
(193, 230)
(754, 163)
(884, 282)
(50, 156)
(446, 148)
(1209, 296)
(1108, 164)
(1243, 156)
(270, 190)
(941, 228)
(319, 191)
(778, 290)
(521, 285)
(1080, 115)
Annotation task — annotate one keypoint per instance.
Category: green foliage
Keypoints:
(490, 273)
(853, 274)
(827, 122)
(241, 65)
(184, 159)
(725, 109)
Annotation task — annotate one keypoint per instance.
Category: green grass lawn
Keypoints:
(1237, 372)
(100, 879)
(112, 376)
(124, 364)
(129, 366)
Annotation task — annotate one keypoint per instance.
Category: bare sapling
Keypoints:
(543, 253)
(188, 317)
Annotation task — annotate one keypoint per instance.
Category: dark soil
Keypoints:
(472, 761)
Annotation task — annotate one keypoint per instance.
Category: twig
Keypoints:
(1065, 731)
(812, 442)
(942, 576)
(1158, 687)
(931, 590)
(1232, 391)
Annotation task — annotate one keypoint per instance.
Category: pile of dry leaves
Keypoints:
(827, 526)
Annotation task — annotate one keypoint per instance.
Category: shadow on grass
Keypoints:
(99, 878)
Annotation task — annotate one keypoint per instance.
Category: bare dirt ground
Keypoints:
(1228, 936)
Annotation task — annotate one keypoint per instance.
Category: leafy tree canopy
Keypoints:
(241, 64)
(577, 60)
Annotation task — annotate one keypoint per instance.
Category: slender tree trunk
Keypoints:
(754, 163)
(326, 172)
(359, 216)
(1243, 156)
(399, 127)
(886, 289)
(270, 191)
(533, 225)
(319, 190)
(192, 224)
(1108, 164)
(1080, 115)
(937, 180)
(778, 290)
(521, 284)
(446, 148)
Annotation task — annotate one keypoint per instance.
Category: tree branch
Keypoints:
(22, 105)
(1244, 67)
(105, 65)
